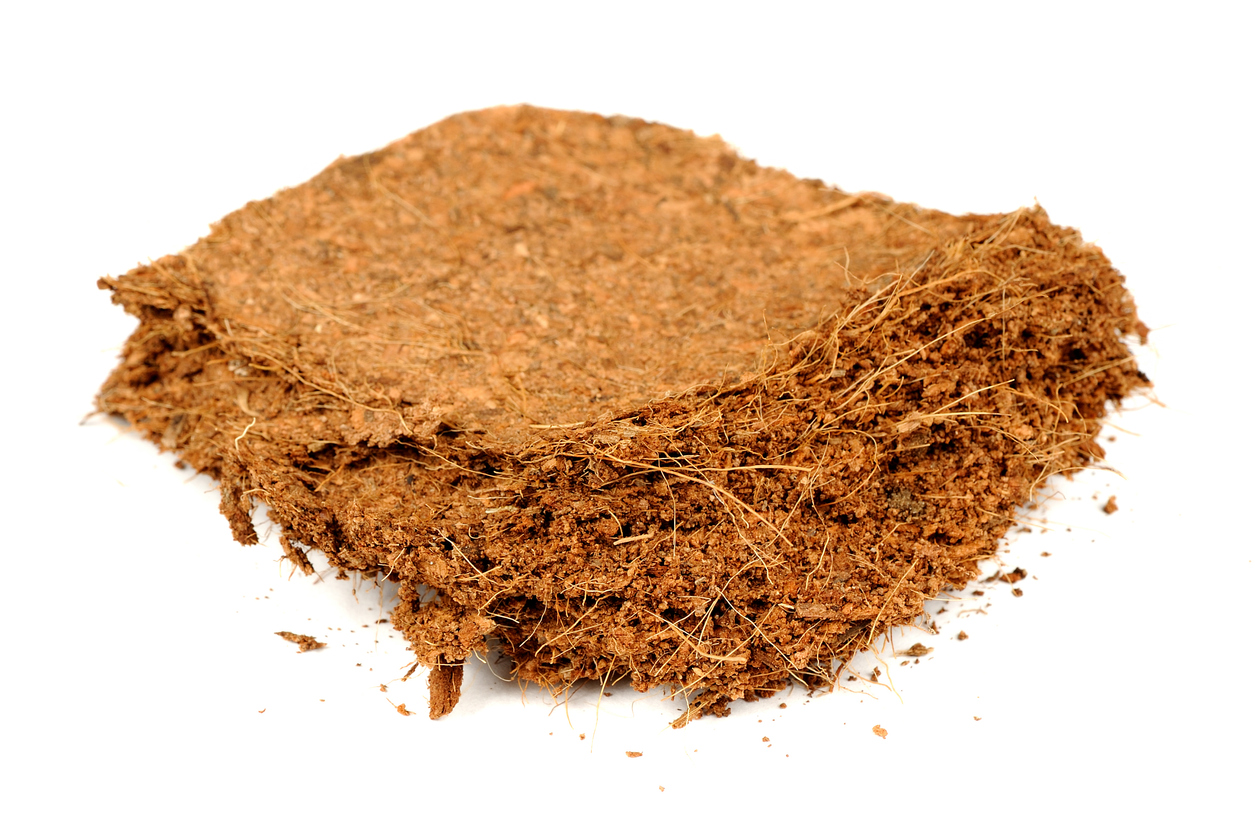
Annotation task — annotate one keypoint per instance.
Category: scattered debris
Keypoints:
(1010, 576)
(304, 643)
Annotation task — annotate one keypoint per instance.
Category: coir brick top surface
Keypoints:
(621, 402)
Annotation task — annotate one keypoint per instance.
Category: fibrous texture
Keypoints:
(607, 396)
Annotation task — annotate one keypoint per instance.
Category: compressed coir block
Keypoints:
(622, 403)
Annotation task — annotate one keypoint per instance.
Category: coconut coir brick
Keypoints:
(607, 396)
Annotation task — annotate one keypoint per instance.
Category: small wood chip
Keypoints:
(303, 642)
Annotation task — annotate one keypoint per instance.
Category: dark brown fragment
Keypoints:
(445, 686)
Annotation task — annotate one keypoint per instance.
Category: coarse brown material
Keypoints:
(304, 643)
(444, 685)
(607, 396)
(1012, 577)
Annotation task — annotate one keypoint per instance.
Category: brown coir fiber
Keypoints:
(625, 405)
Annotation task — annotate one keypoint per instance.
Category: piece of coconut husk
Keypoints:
(623, 403)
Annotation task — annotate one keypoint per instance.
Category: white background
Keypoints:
(138, 652)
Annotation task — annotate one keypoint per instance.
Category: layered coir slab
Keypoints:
(608, 396)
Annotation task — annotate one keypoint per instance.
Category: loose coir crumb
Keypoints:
(1011, 576)
(304, 642)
